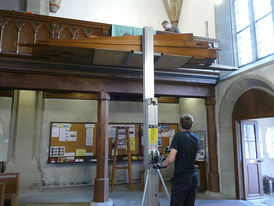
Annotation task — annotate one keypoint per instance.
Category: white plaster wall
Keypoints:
(133, 112)
(140, 13)
(193, 16)
(197, 108)
(227, 93)
(125, 112)
(137, 13)
(168, 113)
(17, 5)
(63, 110)
(5, 120)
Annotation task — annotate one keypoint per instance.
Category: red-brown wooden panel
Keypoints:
(80, 34)
(26, 35)
(65, 33)
(42, 33)
(95, 32)
(9, 37)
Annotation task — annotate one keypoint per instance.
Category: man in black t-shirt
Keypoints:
(184, 148)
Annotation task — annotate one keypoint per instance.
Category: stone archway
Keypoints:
(228, 180)
(253, 104)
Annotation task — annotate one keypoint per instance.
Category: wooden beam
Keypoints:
(164, 41)
(70, 95)
(47, 82)
(183, 51)
(198, 71)
(174, 100)
(220, 67)
(6, 93)
(40, 67)
(214, 67)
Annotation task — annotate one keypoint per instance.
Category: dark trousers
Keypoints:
(183, 190)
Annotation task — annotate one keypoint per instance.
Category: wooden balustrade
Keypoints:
(20, 27)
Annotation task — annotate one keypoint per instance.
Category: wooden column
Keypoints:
(101, 186)
(213, 175)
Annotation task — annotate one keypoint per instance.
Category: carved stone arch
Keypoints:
(227, 143)
(65, 33)
(42, 33)
(26, 35)
(80, 33)
(9, 36)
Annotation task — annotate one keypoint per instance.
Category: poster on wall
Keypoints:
(201, 155)
(89, 134)
(122, 135)
(57, 151)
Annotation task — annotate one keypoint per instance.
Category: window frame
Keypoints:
(252, 25)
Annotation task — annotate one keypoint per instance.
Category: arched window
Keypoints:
(254, 31)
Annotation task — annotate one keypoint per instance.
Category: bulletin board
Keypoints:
(166, 131)
(72, 142)
(134, 138)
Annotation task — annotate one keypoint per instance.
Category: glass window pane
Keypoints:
(241, 14)
(246, 150)
(269, 142)
(244, 47)
(252, 150)
(265, 36)
(250, 133)
(261, 8)
(245, 135)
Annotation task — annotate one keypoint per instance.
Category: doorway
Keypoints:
(251, 164)
(249, 111)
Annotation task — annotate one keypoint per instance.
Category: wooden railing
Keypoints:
(20, 27)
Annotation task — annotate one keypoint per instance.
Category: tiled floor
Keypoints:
(121, 196)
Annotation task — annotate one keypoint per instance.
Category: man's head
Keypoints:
(166, 25)
(186, 121)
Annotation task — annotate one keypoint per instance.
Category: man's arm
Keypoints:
(171, 157)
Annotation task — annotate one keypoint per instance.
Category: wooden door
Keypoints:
(253, 187)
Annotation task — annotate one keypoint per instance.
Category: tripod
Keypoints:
(154, 159)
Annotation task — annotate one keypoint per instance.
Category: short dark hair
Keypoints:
(165, 22)
(186, 121)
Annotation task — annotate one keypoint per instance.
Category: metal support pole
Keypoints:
(163, 183)
(150, 115)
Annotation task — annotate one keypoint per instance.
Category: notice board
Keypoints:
(134, 138)
(72, 142)
(166, 131)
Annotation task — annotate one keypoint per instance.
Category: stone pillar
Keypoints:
(213, 175)
(24, 147)
(101, 185)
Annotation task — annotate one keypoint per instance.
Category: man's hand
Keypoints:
(158, 165)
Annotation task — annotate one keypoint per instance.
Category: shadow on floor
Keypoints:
(122, 196)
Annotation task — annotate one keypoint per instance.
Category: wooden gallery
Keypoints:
(71, 102)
